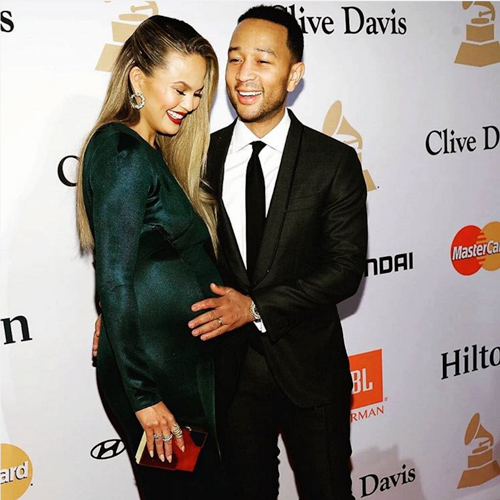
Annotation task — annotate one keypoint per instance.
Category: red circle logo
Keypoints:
(474, 248)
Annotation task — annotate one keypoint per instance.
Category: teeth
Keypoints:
(249, 94)
(176, 116)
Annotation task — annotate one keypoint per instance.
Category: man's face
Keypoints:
(259, 72)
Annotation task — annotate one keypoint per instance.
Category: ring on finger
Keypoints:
(158, 436)
(220, 321)
(168, 438)
(177, 431)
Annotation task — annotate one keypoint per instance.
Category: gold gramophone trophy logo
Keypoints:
(482, 467)
(481, 48)
(336, 125)
(122, 29)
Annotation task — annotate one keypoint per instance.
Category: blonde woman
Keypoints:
(144, 213)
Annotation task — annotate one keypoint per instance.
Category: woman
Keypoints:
(142, 209)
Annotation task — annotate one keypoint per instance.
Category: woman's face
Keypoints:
(170, 92)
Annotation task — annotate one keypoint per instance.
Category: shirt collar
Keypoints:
(275, 139)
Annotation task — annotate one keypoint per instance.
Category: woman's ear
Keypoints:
(136, 78)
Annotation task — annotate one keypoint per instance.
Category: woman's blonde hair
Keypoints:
(185, 153)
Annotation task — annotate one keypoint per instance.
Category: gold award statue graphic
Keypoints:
(336, 125)
(481, 48)
(482, 467)
(122, 29)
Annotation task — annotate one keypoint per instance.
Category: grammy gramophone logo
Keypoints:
(337, 126)
(480, 47)
(482, 467)
(122, 29)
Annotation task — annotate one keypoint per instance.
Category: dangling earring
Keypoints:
(133, 102)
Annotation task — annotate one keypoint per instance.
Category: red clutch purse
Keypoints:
(194, 441)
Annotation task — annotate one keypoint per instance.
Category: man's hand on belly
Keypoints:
(229, 311)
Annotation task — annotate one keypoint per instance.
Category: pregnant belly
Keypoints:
(166, 289)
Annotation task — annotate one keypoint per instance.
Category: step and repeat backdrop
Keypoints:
(414, 88)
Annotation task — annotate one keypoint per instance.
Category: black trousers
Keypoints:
(316, 439)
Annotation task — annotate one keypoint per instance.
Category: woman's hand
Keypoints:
(161, 430)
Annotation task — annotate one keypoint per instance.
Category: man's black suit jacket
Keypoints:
(312, 257)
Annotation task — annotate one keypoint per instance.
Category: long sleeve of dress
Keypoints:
(120, 181)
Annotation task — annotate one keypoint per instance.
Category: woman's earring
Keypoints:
(134, 103)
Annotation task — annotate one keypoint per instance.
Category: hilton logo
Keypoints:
(469, 359)
(122, 29)
(107, 449)
(337, 126)
(480, 47)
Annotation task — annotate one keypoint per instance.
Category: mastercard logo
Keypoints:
(474, 248)
(16, 472)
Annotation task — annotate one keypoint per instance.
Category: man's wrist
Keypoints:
(255, 313)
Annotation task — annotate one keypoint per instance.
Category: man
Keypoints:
(293, 243)
(292, 229)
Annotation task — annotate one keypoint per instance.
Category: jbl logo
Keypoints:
(360, 381)
(367, 380)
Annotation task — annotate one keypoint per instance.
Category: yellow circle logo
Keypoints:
(16, 473)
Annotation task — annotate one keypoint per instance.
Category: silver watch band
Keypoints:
(254, 312)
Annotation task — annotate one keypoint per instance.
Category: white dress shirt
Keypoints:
(235, 168)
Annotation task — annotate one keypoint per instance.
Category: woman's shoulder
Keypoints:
(116, 149)
(113, 138)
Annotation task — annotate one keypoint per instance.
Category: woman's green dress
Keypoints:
(153, 261)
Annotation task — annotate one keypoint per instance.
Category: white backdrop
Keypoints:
(420, 383)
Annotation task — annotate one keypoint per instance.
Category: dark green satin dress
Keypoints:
(152, 262)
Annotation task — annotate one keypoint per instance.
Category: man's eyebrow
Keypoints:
(267, 51)
(258, 49)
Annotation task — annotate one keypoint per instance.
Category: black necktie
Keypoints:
(255, 203)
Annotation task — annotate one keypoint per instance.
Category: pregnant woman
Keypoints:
(144, 213)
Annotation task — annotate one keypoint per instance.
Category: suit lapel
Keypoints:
(219, 146)
(279, 201)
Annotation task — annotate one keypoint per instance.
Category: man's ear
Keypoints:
(136, 78)
(296, 73)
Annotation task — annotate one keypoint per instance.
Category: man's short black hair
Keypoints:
(279, 15)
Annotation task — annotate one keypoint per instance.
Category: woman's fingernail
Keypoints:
(151, 454)
(169, 458)
(162, 457)
(183, 448)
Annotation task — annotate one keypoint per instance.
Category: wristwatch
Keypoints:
(254, 312)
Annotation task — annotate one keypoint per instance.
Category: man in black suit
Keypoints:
(293, 235)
